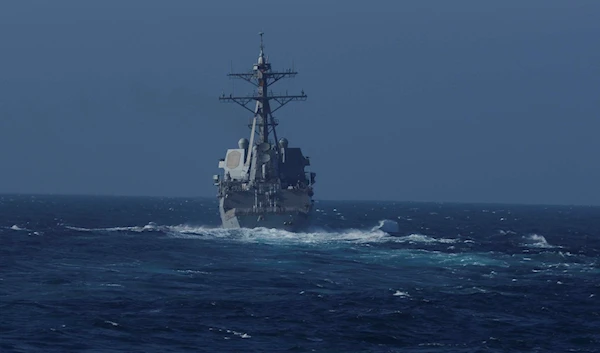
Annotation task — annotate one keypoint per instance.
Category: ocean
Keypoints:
(141, 274)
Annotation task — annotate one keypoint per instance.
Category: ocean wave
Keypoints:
(401, 294)
(313, 236)
(420, 238)
(537, 241)
(17, 228)
(427, 252)
(150, 227)
(277, 235)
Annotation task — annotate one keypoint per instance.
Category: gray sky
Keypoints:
(408, 100)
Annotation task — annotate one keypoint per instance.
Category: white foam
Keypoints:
(315, 236)
(80, 229)
(241, 334)
(420, 238)
(194, 272)
(388, 226)
(235, 333)
(538, 241)
(277, 235)
(150, 227)
(401, 294)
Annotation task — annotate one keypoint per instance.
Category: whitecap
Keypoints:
(537, 241)
(270, 235)
(79, 229)
(241, 334)
(420, 238)
(387, 226)
(194, 272)
(235, 333)
(401, 294)
(150, 227)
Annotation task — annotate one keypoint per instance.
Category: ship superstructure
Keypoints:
(265, 183)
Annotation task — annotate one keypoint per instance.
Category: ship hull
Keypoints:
(292, 216)
(289, 221)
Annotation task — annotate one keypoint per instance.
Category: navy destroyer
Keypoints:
(265, 182)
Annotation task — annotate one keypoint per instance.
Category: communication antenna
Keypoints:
(262, 77)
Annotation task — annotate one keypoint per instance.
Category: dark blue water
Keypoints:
(109, 274)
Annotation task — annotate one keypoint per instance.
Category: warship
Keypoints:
(264, 182)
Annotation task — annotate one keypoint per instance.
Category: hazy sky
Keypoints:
(408, 100)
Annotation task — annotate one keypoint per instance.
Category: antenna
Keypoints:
(262, 45)
(262, 77)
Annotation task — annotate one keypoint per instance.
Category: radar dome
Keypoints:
(243, 143)
(283, 142)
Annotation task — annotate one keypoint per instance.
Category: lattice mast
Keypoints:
(262, 78)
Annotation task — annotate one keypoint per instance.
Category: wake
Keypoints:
(411, 249)
(269, 235)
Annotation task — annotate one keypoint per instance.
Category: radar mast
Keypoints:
(262, 77)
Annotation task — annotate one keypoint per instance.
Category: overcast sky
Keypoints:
(470, 101)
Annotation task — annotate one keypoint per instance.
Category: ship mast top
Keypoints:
(262, 77)
(261, 57)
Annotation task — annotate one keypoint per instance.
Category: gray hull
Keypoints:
(237, 212)
(292, 221)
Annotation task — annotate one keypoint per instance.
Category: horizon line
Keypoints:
(499, 203)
